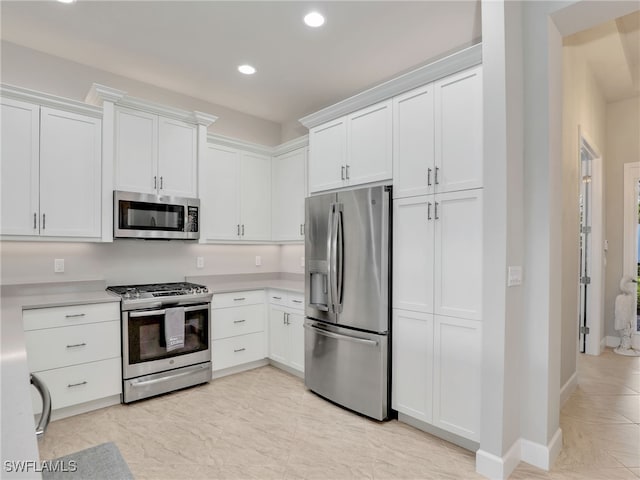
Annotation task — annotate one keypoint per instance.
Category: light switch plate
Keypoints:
(258, 260)
(302, 261)
(58, 265)
(199, 262)
(514, 277)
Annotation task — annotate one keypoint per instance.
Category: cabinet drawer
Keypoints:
(38, 318)
(233, 321)
(233, 351)
(235, 299)
(277, 297)
(296, 300)
(61, 347)
(80, 383)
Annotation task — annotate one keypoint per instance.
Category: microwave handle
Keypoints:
(149, 313)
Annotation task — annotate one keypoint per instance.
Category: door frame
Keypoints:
(630, 219)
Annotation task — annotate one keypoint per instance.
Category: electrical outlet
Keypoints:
(58, 265)
(258, 260)
(302, 261)
(199, 262)
(514, 276)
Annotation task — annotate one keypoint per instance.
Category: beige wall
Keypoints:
(623, 146)
(290, 258)
(29, 68)
(583, 106)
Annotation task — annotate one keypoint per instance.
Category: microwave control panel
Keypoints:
(192, 221)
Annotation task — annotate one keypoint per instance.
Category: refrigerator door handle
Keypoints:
(330, 299)
(333, 263)
(339, 251)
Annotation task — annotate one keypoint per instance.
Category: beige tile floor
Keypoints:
(263, 424)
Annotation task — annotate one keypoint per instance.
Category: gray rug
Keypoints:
(103, 462)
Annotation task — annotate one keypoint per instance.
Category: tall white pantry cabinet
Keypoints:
(437, 253)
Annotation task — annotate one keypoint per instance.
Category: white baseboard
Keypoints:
(541, 456)
(568, 388)
(65, 412)
(603, 344)
(612, 341)
(498, 468)
(239, 368)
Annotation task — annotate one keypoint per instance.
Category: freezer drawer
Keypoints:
(347, 367)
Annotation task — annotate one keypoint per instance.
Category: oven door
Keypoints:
(144, 349)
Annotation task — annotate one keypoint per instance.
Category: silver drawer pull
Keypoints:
(76, 384)
(75, 315)
(277, 298)
(239, 321)
(239, 299)
(239, 350)
(77, 345)
(296, 301)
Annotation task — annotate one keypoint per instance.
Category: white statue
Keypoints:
(625, 316)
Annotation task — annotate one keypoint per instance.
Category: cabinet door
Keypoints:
(457, 375)
(296, 340)
(219, 194)
(413, 143)
(413, 227)
(412, 364)
(369, 153)
(458, 127)
(70, 174)
(20, 167)
(458, 254)
(278, 335)
(287, 193)
(177, 158)
(327, 155)
(136, 151)
(255, 197)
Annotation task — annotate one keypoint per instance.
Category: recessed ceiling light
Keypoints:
(67, 1)
(246, 69)
(314, 19)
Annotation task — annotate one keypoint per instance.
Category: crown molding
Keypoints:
(48, 100)
(205, 119)
(443, 67)
(239, 144)
(291, 145)
(98, 94)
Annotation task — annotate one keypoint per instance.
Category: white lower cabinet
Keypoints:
(237, 329)
(436, 371)
(75, 350)
(286, 330)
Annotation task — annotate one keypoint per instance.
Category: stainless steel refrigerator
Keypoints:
(347, 268)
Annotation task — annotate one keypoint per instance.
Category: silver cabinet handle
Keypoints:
(339, 336)
(239, 321)
(161, 183)
(35, 219)
(342, 172)
(277, 298)
(238, 230)
(243, 229)
(436, 177)
(347, 172)
(428, 177)
(239, 299)
(429, 211)
(155, 182)
(46, 404)
(71, 385)
(286, 316)
(296, 301)
(239, 350)
(75, 315)
(44, 221)
(436, 211)
(77, 345)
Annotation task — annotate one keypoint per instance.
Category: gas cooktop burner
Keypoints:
(131, 292)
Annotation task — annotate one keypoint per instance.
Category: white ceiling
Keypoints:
(612, 51)
(194, 47)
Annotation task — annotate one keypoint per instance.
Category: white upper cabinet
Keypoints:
(288, 194)
(70, 172)
(458, 131)
(327, 155)
(136, 151)
(369, 152)
(51, 172)
(352, 150)
(177, 158)
(413, 143)
(154, 154)
(437, 136)
(235, 195)
(20, 167)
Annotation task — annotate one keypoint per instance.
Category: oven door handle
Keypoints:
(149, 313)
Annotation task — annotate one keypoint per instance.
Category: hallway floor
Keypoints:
(264, 424)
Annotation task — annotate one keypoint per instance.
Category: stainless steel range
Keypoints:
(165, 337)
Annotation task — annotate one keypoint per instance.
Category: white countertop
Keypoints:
(240, 286)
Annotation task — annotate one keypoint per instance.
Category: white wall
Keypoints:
(130, 261)
(584, 107)
(623, 146)
(290, 256)
(36, 70)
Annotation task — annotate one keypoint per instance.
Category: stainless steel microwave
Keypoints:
(158, 217)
